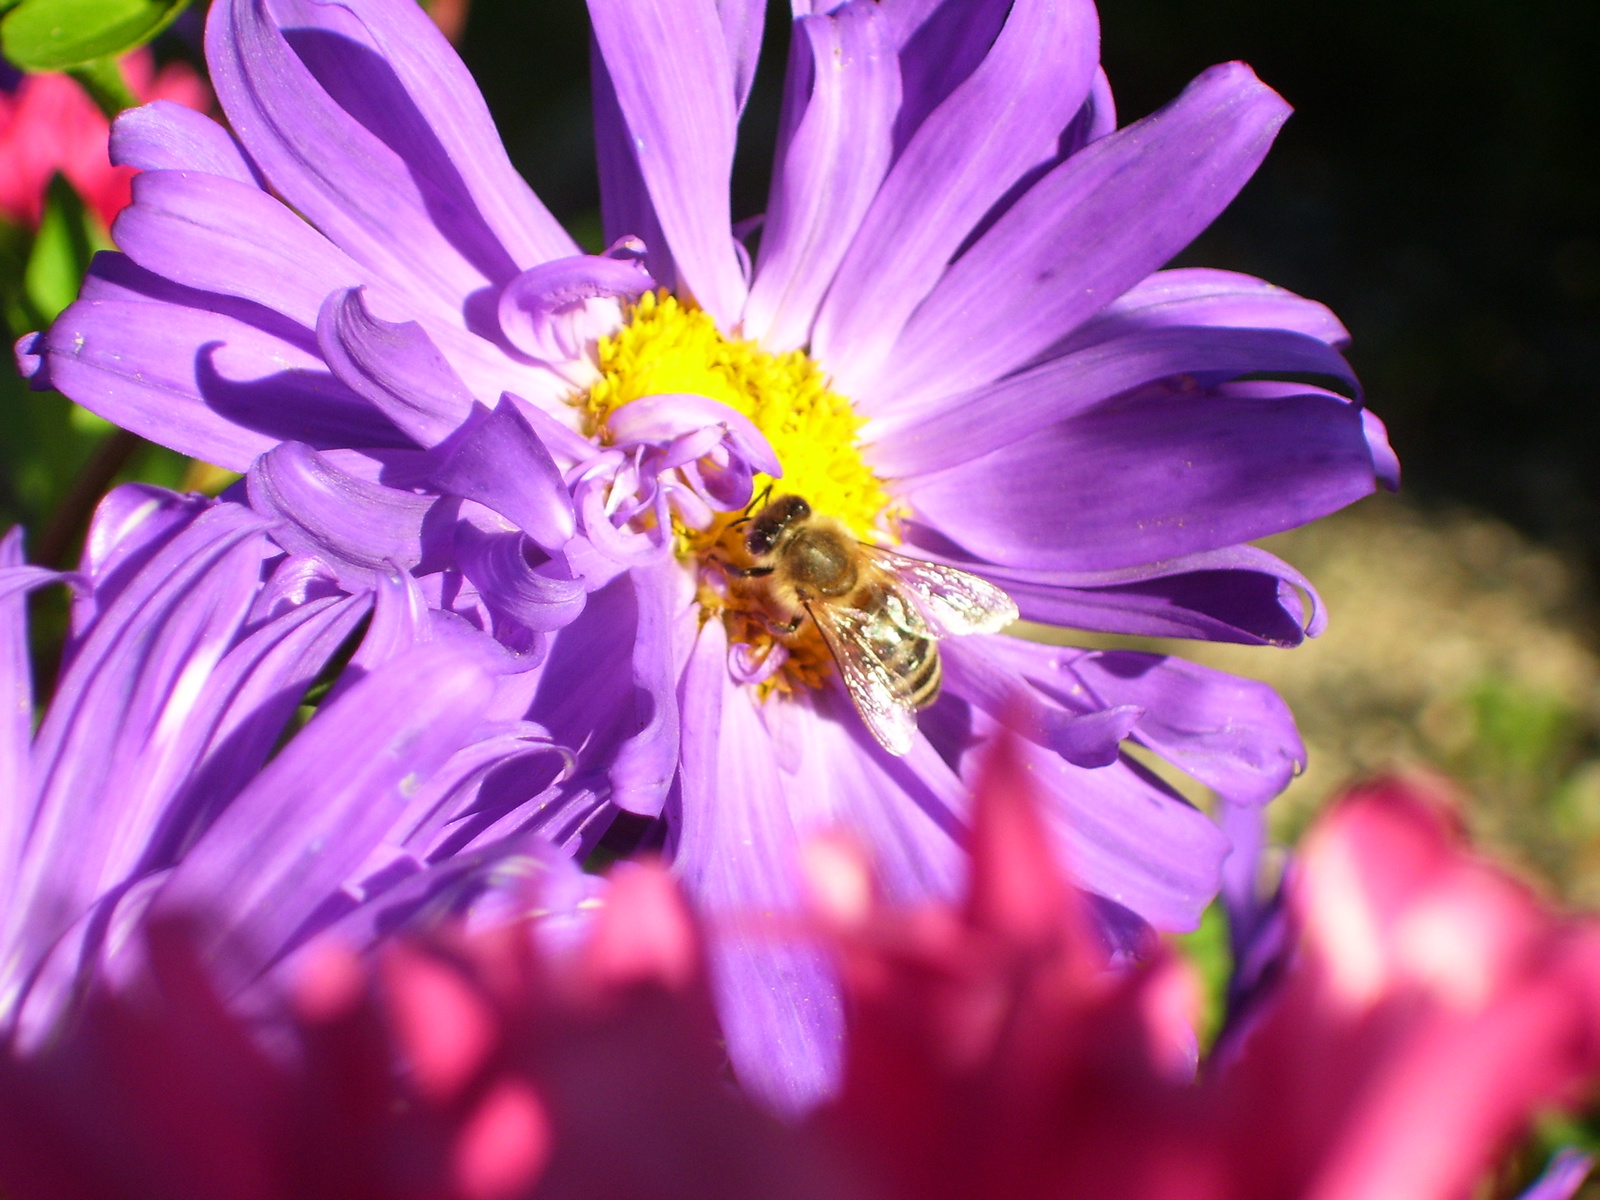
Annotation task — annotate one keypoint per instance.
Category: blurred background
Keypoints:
(1438, 187)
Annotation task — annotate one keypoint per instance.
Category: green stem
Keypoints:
(102, 79)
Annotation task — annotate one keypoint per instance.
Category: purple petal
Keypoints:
(961, 427)
(738, 857)
(647, 760)
(1237, 594)
(742, 22)
(395, 367)
(501, 463)
(607, 686)
(1234, 735)
(844, 72)
(1051, 261)
(540, 309)
(370, 126)
(1096, 119)
(940, 45)
(1156, 480)
(664, 418)
(1202, 296)
(626, 209)
(909, 814)
(1385, 462)
(315, 813)
(1122, 833)
(358, 528)
(674, 86)
(16, 693)
(1562, 1178)
(534, 597)
(247, 702)
(129, 526)
(407, 85)
(1002, 120)
(163, 136)
(103, 764)
(1086, 735)
(220, 235)
(203, 378)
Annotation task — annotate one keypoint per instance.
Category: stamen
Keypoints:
(667, 347)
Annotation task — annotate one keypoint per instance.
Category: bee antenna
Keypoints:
(760, 498)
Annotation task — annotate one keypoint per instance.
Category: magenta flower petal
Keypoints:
(1001, 120)
(674, 86)
(843, 93)
(163, 136)
(959, 428)
(1067, 245)
(1151, 481)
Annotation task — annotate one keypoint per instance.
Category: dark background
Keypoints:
(1437, 186)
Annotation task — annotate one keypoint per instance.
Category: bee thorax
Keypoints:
(821, 562)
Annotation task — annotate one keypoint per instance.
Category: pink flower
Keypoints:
(49, 124)
(1431, 1006)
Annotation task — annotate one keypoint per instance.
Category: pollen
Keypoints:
(667, 346)
(664, 346)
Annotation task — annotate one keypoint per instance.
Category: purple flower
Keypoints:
(147, 788)
(954, 338)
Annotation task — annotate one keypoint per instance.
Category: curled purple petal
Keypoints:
(497, 564)
(545, 311)
(357, 527)
(396, 367)
(500, 462)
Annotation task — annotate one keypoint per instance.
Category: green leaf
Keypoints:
(67, 239)
(52, 35)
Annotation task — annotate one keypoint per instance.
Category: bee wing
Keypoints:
(879, 697)
(953, 601)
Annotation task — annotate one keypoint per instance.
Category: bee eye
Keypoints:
(758, 542)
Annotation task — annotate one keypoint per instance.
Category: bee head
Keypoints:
(767, 526)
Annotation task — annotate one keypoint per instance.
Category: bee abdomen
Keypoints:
(914, 662)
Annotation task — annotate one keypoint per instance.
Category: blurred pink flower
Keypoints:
(1431, 1007)
(50, 124)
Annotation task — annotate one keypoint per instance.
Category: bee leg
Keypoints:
(783, 630)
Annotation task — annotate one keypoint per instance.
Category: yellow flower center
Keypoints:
(665, 346)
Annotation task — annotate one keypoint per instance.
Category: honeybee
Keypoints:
(879, 613)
